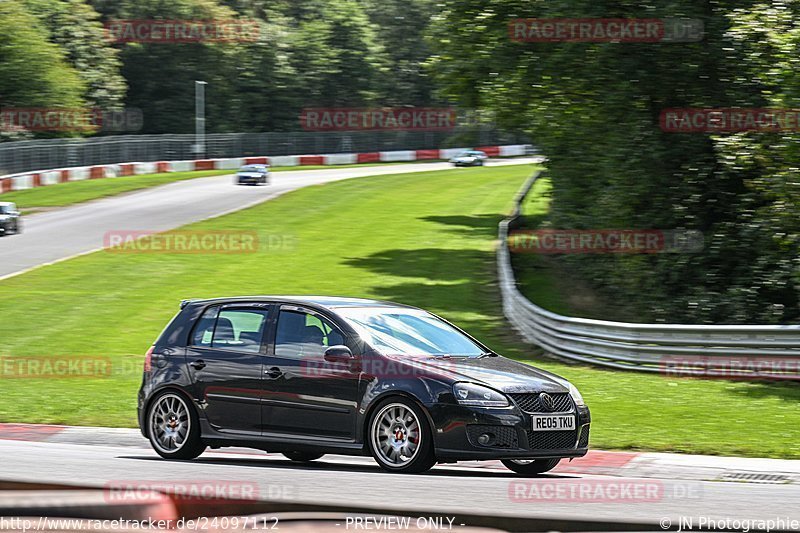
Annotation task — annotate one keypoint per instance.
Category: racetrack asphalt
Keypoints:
(66, 232)
(357, 481)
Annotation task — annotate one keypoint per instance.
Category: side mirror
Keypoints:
(338, 354)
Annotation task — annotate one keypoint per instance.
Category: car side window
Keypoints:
(204, 329)
(240, 329)
(304, 335)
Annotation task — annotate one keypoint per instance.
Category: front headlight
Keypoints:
(478, 395)
(576, 396)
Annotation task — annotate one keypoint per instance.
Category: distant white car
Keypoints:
(9, 219)
(253, 175)
(470, 158)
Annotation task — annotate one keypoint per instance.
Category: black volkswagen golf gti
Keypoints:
(306, 376)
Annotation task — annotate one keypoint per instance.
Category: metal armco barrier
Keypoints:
(702, 350)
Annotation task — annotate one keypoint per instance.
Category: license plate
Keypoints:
(553, 422)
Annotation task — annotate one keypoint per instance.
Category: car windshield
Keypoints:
(411, 332)
(250, 169)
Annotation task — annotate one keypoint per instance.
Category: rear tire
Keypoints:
(530, 467)
(302, 457)
(173, 427)
(399, 437)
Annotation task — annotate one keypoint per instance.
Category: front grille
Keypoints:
(504, 436)
(583, 442)
(551, 440)
(529, 402)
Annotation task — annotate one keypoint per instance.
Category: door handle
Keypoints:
(198, 365)
(274, 372)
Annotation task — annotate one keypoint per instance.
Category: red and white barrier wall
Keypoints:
(40, 178)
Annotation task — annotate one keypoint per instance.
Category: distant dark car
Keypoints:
(470, 158)
(253, 175)
(10, 219)
(306, 376)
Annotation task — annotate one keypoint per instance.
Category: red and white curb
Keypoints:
(597, 462)
(41, 178)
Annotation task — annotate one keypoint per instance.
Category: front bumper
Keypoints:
(248, 180)
(456, 429)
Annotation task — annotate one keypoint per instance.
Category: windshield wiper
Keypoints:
(487, 354)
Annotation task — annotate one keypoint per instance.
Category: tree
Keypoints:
(338, 58)
(402, 28)
(33, 71)
(75, 27)
(594, 110)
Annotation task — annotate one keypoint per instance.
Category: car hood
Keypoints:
(464, 158)
(250, 174)
(498, 372)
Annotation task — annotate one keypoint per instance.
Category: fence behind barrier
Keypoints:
(26, 156)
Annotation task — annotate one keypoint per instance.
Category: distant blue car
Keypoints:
(253, 175)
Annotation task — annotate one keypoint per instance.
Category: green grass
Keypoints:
(425, 239)
(73, 192)
(535, 280)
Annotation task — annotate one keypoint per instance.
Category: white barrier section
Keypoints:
(78, 173)
(230, 164)
(512, 150)
(19, 183)
(144, 168)
(284, 161)
(182, 166)
(448, 153)
(111, 171)
(340, 159)
(399, 155)
(50, 178)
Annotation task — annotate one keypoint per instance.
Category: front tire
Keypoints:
(302, 457)
(530, 467)
(173, 427)
(399, 437)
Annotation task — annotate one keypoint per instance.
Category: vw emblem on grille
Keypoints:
(547, 402)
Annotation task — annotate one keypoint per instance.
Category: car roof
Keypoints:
(6, 203)
(327, 302)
